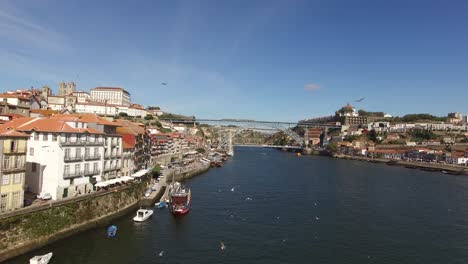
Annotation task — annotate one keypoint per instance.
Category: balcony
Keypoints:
(91, 172)
(95, 143)
(111, 168)
(15, 151)
(93, 157)
(72, 143)
(68, 175)
(73, 158)
(13, 169)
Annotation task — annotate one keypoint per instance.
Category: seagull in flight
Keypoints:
(161, 253)
(233, 189)
(359, 100)
(163, 83)
(223, 247)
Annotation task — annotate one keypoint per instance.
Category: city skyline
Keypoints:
(266, 60)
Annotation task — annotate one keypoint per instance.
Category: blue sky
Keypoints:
(265, 60)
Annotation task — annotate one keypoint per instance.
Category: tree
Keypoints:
(200, 150)
(156, 171)
(372, 135)
(149, 117)
(123, 114)
(332, 147)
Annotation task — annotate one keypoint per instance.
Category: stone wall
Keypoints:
(29, 228)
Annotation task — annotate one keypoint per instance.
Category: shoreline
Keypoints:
(449, 169)
(23, 246)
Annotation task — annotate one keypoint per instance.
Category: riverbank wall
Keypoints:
(33, 227)
(450, 169)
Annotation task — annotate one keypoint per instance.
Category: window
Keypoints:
(45, 137)
(3, 202)
(36, 136)
(6, 162)
(66, 170)
(86, 167)
(16, 200)
(96, 151)
(78, 152)
(17, 178)
(31, 151)
(6, 179)
(87, 152)
(77, 168)
(95, 166)
(18, 162)
(54, 137)
(67, 152)
(34, 167)
(13, 145)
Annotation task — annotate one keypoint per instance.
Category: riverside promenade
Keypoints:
(448, 168)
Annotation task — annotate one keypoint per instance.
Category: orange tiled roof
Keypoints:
(5, 131)
(85, 118)
(45, 125)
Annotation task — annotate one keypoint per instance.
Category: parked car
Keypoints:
(27, 202)
(44, 196)
(148, 192)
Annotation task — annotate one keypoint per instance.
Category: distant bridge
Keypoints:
(267, 146)
(233, 127)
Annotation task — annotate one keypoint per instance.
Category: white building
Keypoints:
(68, 154)
(82, 97)
(109, 110)
(111, 95)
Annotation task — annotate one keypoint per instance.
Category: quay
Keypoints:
(33, 227)
(450, 169)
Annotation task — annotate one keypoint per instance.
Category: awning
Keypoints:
(127, 178)
(139, 173)
(102, 184)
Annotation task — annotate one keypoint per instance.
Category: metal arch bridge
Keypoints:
(249, 124)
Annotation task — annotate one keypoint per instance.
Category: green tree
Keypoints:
(156, 171)
(149, 117)
(200, 150)
(123, 114)
(372, 135)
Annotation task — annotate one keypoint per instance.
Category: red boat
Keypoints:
(179, 199)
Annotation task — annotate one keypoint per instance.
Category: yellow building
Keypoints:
(13, 168)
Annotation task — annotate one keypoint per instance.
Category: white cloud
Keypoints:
(312, 87)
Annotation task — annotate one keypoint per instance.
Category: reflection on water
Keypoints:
(267, 206)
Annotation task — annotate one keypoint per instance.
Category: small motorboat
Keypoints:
(112, 231)
(44, 259)
(444, 172)
(142, 215)
(161, 205)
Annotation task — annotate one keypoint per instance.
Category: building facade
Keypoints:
(66, 88)
(12, 173)
(111, 95)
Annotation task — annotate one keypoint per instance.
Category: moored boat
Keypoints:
(44, 259)
(219, 163)
(179, 199)
(142, 215)
(112, 231)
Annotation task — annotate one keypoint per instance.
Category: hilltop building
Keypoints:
(111, 96)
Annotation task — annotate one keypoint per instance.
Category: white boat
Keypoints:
(44, 259)
(142, 215)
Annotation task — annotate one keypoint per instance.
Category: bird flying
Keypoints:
(359, 100)
(164, 83)
(223, 247)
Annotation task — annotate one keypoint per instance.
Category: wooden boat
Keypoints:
(44, 259)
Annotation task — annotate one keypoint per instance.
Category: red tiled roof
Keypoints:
(85, 118)
(45, 125)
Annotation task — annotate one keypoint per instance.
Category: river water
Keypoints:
(269, 206)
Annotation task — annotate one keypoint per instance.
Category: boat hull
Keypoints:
(180, 212)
